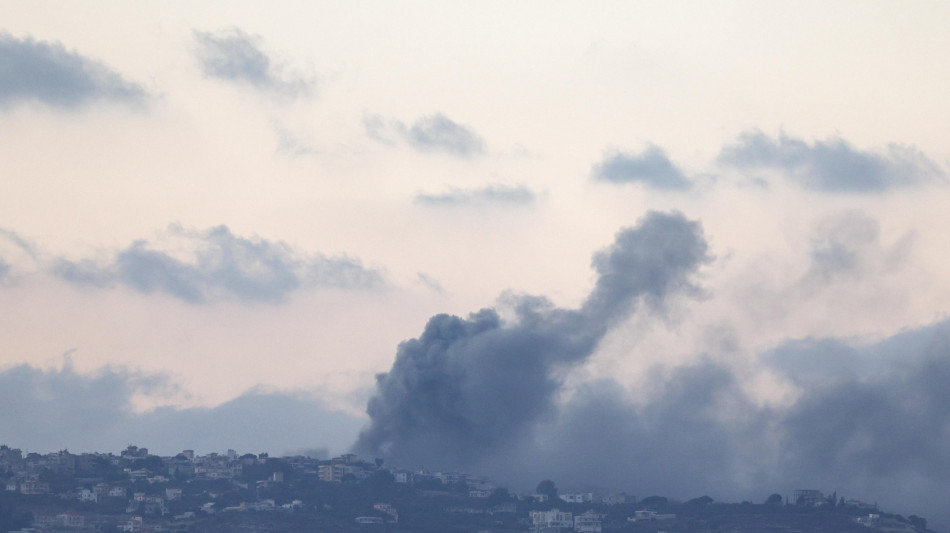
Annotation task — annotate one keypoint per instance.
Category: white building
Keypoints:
(389, 510)
(550, 521)
(588, 522)
(581, 497)
(651, 515)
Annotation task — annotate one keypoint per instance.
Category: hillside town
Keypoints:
(136, 491)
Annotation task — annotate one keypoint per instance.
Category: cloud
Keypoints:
(433, 133)
(847, 246)
(487, 394)
(222, 265)
(468, 388)
(651, 167)
(236, 56)
(20, 244)
(837, 246)
(292, 145)
(881, 426)
(693, 436)
(37, 71)
(832, 165)
(94, 412)
(257, 421)
(17, 256)
(73, 408)
(430, 282)
(489, 195)
(870, 421)
(848, 263)
(437, 132)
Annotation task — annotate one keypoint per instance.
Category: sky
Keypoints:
(680, 248)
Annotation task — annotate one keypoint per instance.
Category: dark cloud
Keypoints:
(486, 394)
(693, 436)
(651, 167)
(433, 133)
(468, 388)
(490, 195)
(37, 71)
(832, 165)
(648, 262)
(236, 56)
(880, 428)
(224, 265)
(872, 422)
(48, 410)
(4, 269)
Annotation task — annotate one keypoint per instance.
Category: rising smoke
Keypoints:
(480, 394)
(469, 388)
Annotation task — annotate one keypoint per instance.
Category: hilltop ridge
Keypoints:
(138, 491)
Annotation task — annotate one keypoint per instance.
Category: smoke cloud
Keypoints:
(469, 388)
(484, 395)
(870, 422)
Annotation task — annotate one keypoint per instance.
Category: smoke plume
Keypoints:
(469, 388)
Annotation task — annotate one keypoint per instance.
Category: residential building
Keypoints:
(810, 497)
(582, 497)
(389, 510)
(331, 473)
(552, 521)
(589, 522)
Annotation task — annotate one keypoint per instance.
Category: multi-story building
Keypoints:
(589, 522)
(553, 521)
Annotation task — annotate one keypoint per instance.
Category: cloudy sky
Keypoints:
(635, 220)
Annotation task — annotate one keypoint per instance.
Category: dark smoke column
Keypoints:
(467, 387)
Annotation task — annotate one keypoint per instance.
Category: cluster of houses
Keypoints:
(141, 484)
(148, 486)
(150, 490)
(816, 498)
(557, 521)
